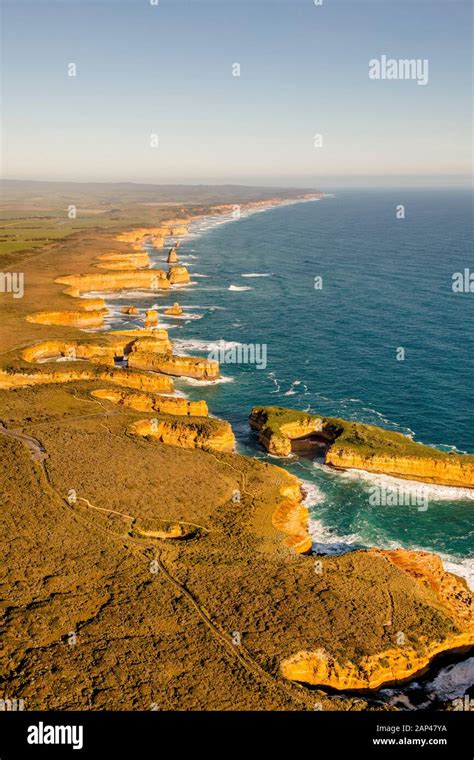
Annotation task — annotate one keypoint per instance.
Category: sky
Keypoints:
(168, 69)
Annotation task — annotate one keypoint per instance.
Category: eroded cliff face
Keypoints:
(432, 587)
(140, 234)
(123, 261)
(184, 366)
(125, 378)
(117, 344)
(149, 279)
(144, 402)
(291, 517)
(457, 472)
(81, 319)
(178, 275)
(353, 445)
(279, 441)
(200, 433)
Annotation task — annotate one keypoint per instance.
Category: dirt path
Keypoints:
(36, 449)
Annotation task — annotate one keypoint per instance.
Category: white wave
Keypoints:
(291, 391)
(271, 376)
(312, 494)
(458, 566)
(195, 274)
(237, 288)
(325, 541)
(257, 274)
(431, 491)
(453, 681)
(195, 344)
(195, 382)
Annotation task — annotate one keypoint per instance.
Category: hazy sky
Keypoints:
(167, 69)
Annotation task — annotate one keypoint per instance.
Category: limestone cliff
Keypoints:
(201, 433)
(117, 344)
(428, 586)
(454, 470)
(81, 319)
(129, 310)
(150, 279)
(172, 256)
(140, 234)
(123, 261)
(144, 402)
(185, 366)
(125, 378)
(348, 445)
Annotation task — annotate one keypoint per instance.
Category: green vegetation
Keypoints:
(33, 214)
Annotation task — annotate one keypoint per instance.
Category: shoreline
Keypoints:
(463, 564)
(281, 526)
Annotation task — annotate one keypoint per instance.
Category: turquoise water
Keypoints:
(386, 284)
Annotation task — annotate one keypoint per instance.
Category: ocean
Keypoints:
(328, 293)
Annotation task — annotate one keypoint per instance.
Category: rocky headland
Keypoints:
(353, 445)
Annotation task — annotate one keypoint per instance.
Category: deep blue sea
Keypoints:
(386, 285)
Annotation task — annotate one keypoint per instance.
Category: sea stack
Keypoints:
(178, 275)
(129, 310)
(151, 318)
(174, 311)
(172, 256)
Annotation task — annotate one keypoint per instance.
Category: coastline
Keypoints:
(278, 526)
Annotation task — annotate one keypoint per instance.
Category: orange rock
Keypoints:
(79, 319)
(197, 433)
(185, 366)
(153, 279)
(430, 586)
(151, 318)
(174, 311)
(178, 275)
(145, 402)
(129, 310)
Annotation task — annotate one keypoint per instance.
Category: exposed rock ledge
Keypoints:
(123, 261)
(72, 318)
(137, 380)
(180, 366)
(431, 587)
(195, 433)
(355, 445)
(144, 402)
(149, 279)
(113, 345)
